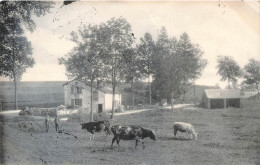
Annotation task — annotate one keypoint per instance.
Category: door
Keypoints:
(100, 108)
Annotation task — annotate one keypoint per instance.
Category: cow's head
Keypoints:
(152, 135)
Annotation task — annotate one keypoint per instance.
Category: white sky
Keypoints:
(220, 28)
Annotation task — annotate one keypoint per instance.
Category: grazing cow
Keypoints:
(184, 127)
(96, 126)
(131, 132)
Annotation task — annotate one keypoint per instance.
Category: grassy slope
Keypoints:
(225, 136)
(40, 94)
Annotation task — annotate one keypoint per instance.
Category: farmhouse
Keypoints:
(77, 93)
(221, 98)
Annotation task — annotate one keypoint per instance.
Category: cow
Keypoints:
(131, 132)
(96, 126)
(184, 127)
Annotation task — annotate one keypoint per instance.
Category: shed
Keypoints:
(221, 98)
(77, 93)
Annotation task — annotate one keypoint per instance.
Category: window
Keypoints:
(71, 90)
(78, 102)
(79, 90)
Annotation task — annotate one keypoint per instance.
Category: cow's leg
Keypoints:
(191, 136)
(90, 138)
(117, 141)
(139, 140)
(175, 131)
(136, 143)
(113, 140)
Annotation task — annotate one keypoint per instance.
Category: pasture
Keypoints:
(225, 136)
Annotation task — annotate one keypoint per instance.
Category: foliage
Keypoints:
(15, 49)
(146, 52)
(178, 63)
(84, 61)
(115, 40)
(228, 69)
(252, 73)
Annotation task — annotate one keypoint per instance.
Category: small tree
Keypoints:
(15, 49)
(228, 69)
(132, 67)
(252, 74)
(84, 61)
(146, 50)
(116, 38)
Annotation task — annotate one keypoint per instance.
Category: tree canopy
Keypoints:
(228, 69)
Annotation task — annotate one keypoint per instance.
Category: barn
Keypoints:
(221, 98)
(77, 94)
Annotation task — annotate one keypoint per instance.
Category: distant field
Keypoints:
(50, 94)
(38, 94)
(225, 137)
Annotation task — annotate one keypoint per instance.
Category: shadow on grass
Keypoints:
(174, 138)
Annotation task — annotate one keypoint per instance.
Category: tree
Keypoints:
(228, 69)
(15, 49)
(133, 71)
(116, 38)
(84, 62)
(146, 50)
(252, 74)
(180, 63)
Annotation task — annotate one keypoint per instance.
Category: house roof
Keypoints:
(71, 81)
(248, 94)
(105, 89)
(222, 93)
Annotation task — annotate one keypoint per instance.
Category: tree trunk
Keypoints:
(194, 87)
(113, 101)
(257, 91)
(15, 92)
(133, 94)
(184, 92)
(172, 99)
(91, 101)
(229, 84)
(150, 92)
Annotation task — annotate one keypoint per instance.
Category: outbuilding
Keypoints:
(77, 94)
(221, 98)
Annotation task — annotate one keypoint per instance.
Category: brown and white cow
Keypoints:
(97, 126)
(131, 132)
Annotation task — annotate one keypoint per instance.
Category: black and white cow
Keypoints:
(96, 126)
(131, 132)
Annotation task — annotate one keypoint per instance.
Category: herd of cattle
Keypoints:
(133, 132)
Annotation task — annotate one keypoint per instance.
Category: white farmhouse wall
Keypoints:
(103, 98)
(108, 101)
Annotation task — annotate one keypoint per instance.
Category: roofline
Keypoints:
(116, 92)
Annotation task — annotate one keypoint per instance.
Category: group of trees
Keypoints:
(229, 70)
(106, 52)
(15, 49)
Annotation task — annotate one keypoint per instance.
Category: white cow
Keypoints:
(184, 127)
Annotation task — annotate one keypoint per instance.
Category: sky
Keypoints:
(220, 28)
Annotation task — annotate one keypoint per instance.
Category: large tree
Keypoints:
(116, 38)
(84, 61)
(15, 49)
(228, 69)
(133, 69)
(180, 63)
(146, 51)
(252, 74)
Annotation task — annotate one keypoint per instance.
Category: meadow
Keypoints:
(225, 136)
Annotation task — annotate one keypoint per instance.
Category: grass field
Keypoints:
(225, 136)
